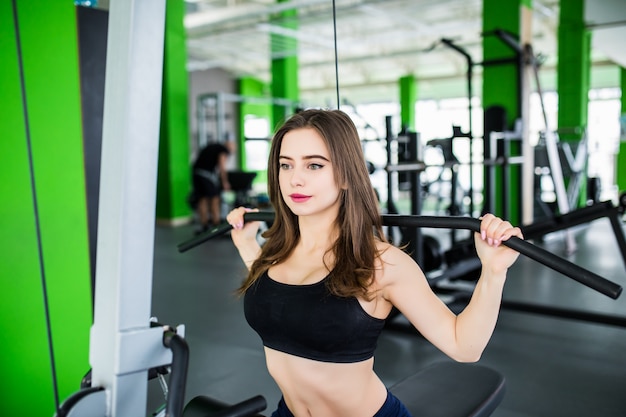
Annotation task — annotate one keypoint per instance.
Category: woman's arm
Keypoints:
(463, 337)
(477, 321)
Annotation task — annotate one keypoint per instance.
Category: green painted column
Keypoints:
(502, 90)
(253, 88)
(573, 78)
(46, 309)
(621, 156)
(174, 176)
(408, 97)
(284, 64)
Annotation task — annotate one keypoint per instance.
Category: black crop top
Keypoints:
(308, 321)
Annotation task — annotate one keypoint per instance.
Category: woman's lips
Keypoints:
(299, 198)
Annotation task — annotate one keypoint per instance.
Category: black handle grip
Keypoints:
(178, 377)
(536, 253)
(263, 216)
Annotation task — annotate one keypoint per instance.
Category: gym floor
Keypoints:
(553, 366)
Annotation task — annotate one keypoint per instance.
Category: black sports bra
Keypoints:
(308, 321)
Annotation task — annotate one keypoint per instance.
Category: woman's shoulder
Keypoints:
(396, 271)
(392, 259)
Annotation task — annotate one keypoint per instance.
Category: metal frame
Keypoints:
(123, 345)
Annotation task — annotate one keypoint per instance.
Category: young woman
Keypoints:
(319, 289)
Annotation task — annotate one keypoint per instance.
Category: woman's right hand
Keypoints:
(242, 231)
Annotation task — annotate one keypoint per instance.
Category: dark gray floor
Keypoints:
(553, 366)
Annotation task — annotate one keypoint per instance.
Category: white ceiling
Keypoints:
(378, 41)
(607, 20)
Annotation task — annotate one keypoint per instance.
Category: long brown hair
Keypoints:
(358, 222)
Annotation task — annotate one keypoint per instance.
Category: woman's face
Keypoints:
(306, 175)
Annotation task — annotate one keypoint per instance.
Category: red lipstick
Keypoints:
(299, 198)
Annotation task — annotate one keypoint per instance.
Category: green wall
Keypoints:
(574, 42)
(500, 81)
(620, 173)
(408, 98)
(174, 176)
(284, 66)
(573, 78)
(44, 267)
(501, 88)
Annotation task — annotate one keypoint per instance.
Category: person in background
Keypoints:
(321, 285)
(210, 178)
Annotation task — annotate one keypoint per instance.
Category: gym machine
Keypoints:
(451, 163)
(559, 158)
(451, 272)
(405, 166)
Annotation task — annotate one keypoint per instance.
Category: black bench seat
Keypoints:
(451, 389)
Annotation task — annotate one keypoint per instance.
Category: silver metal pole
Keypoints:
(123, 346)
(220, 116)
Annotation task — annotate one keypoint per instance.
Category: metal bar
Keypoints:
(470, 134)
(570, 219)
(416, 197)
(569, 269)
(540, 255)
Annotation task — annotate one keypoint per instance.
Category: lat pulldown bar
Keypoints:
(569, 269)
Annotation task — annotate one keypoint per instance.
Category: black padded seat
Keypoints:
(451, 389)
(203, 406)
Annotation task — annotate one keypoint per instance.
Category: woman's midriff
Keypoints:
(321, 389)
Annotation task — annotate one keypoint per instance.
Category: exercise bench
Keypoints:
(451, 389)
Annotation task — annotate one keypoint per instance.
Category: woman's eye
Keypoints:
(316, 166)
(284, 166)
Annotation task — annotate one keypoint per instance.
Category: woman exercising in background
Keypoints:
(319, 289)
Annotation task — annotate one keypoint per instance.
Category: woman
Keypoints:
(320, 287)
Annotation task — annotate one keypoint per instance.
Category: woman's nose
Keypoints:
(296, 178)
